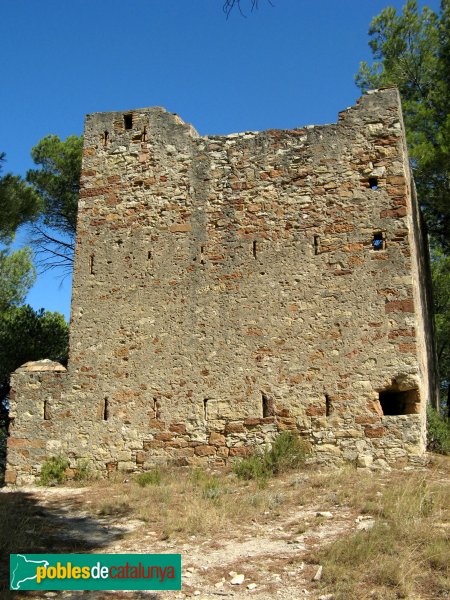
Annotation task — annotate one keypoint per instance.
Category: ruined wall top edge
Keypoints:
(365, 108)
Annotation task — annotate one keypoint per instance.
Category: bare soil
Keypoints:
(272, 544)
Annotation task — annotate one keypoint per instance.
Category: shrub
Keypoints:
(54, 471)
(288, 451)
(211, 489)
(438, 432)
(115, 509)
(82, 471)
(152, 477)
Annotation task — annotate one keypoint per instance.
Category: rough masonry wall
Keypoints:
(229, 287)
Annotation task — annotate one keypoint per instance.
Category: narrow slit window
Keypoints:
(267, 406)
(155, 408)
(105, 138)
(373, 183)
(128, 121)
(316, 245)
(328, 408)
(202, 256)
(205, 409)
(46, 411)
(378, 241)
(91, 264)
(144, 134)
(254, 249)
(105, 409)
(149, 255)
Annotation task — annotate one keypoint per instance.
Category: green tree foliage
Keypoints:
(412, 52)
(57, 184)
(25, 334)
(17, 275)
(441, 286)
(19, 204)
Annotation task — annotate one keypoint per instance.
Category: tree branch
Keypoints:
(228, 6)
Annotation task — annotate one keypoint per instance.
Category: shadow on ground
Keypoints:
(28, 526)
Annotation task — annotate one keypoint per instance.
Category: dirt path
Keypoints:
(270, 556)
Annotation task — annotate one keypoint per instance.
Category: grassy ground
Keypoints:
(403, 553)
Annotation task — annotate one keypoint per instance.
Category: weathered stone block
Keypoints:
(204, 450)
(10, 476)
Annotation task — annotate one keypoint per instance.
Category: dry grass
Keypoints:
(405, 554)
(187, 503)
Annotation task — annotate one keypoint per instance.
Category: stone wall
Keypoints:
(229, 287)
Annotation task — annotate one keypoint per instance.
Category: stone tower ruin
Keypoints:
(229, 287)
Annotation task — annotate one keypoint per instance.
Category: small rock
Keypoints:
(326, 597)
(197, 593)
(218, 585)
(324, 513)
(187, 574)
(364, 461)
(365, 525)
(190, 569)
(232, 573)
(238, 579)
(318, 575)
(252, 586)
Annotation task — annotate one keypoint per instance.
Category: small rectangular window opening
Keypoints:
(91, 264)
(254, 249)
(378, 241)
(328, 408)
(373, 183)
(202, 256)
(105, 409)
(128, 121)
(46, 411)
(149, 255)
(105, 138)
(205, 409)
(316, 244)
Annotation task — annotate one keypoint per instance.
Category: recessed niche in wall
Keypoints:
(394, 402)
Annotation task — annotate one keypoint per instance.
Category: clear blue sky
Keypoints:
(285, 65)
